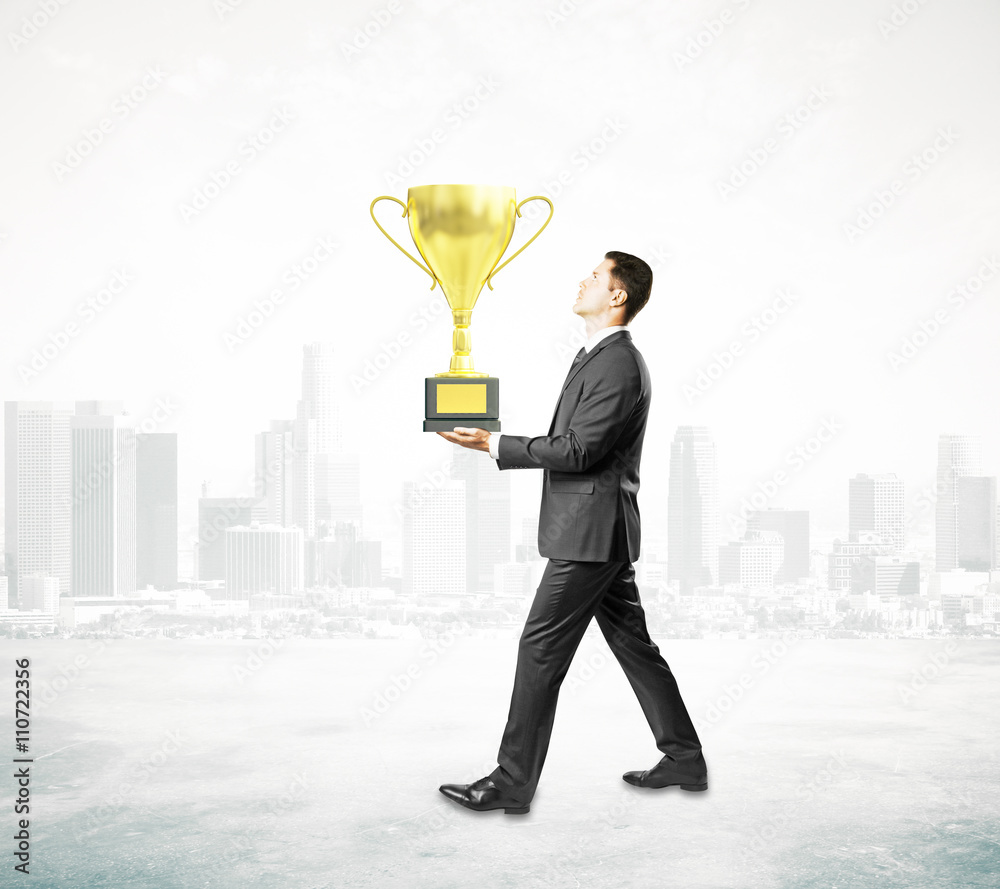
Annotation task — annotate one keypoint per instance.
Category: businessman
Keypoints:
(588, 529)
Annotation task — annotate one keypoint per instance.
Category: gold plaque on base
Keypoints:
(451, 402)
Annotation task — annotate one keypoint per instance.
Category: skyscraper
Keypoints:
(977, 523)
(103, 490)
(693, 510)
(487, 516)
(875, 503)
(156, 510)
(319, 396)
(434, 540)
(274, 455)
(338, 485)
(37, 492)
(304, 476)
(527, 549)
(344, 559)
(793, 526)
(40, 594)
(753, 561)
(318, 435)
(215, 515)
(958, 456)
(263, 559)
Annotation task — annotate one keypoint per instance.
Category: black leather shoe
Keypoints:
(663, 775)
(482, 796)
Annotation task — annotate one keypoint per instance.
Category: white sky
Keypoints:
(551, 86)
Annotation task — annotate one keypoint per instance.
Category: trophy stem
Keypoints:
(461, 343)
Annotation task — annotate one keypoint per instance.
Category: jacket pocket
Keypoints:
(572, 485)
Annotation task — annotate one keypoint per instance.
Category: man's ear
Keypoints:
(618, 297)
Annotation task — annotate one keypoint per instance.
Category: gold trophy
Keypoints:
(462, 232)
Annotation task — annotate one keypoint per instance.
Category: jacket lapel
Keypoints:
(579, 365)
(618, 334)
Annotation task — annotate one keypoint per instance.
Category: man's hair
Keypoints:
(634, 276)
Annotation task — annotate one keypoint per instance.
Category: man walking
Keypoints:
(589, 530)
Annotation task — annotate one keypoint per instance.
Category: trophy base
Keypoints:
(467, 423)
(461, 401)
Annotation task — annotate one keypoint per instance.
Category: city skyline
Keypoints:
(820, 489)
(468, 495)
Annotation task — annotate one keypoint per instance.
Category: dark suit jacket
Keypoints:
(591, 456)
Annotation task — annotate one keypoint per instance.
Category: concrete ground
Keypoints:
(315, 764)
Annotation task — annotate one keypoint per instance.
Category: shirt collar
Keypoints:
(601, 334)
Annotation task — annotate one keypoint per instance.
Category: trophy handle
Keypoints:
(537, 197)
(387, 197)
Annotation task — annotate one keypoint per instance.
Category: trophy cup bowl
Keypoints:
(461, 232)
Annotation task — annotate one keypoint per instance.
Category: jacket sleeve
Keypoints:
(605, 405)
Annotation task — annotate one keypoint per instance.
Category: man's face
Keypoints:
(595, 291)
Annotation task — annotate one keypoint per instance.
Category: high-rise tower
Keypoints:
(958, 456)
(103, 501)
(37, 492)
(693, 510)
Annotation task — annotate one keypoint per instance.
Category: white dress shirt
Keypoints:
(494, 440)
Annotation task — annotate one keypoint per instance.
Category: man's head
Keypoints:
(615, 291)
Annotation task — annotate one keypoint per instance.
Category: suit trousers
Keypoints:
(569, 595)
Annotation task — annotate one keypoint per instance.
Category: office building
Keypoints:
(958, 456)
(753, 561)
(215, 516)
(976, 510)
(274, 460)
(263, 559)
(693, 510)
(847, 554)
(156, 510)
(487, 517)
(103, 511)
(434, 544)
(876, 504)
(40, 594)
(37, 492)
(344, 559)
(885, 576)
(793, 527)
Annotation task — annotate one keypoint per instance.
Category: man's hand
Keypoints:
(477, 439)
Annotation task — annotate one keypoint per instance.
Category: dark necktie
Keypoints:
(576, 361)
(572, 367)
